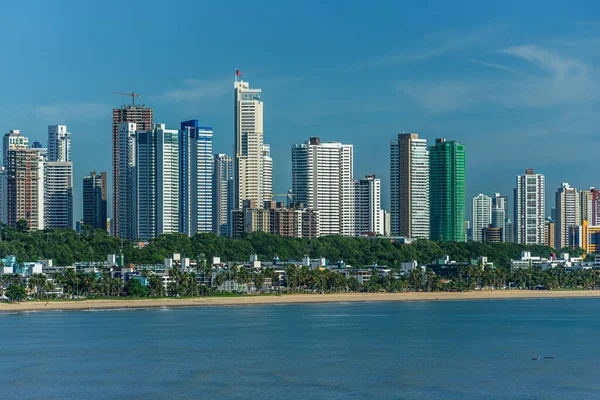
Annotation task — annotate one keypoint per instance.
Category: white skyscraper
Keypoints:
(196, 178)
(126, 180)
(58, 195)
(59, 143)
(567, 215)
(409, 189)
(167, 180)
(248, 145)
(482, 215)
(530, 208)
(267, 175)
(322, 180)
(202, 181)
(368, 213)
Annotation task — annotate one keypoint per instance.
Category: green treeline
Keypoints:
(65, 247)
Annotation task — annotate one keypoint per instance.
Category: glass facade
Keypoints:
(447, 191)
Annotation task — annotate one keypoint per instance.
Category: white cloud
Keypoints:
(196, 89)
(557, 81)
(496, 66)
(559, 67)
(57, 112)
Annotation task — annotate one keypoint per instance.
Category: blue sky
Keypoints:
(516, 82)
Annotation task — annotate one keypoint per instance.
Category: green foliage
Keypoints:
(22, 225)
(66, 246)
(16, 292)
(134, 288)
(576, 252)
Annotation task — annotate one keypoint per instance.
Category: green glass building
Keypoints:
(447, 191)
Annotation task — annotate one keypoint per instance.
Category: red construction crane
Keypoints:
(132, 94)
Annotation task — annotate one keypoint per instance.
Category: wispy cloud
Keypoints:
(549, 61)
(434, 45)
(195, 90)
(555, 80)
(60, 112)
(497, 66)
(447, 46)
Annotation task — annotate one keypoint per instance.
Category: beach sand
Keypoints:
(291, 299)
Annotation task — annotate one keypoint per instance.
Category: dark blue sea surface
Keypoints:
(447, 350)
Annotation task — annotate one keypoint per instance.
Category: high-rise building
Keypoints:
(500, 205)
(58, 194)
(447, 191)
(167, 180)
(222, 193)
(25, 186)
(267, 175)
(248, 145)
(567, 214)
(482, 215)
(409, 190)
(250, 218)
(59, 143)
(499, 220)
(276, 219)
(529, 208)
(491, 235)
(124, 174)
(3, 195)
(157, 182)
(509, 234)
(322, 181)
(468, 232)
(145, 187)
(386, 219)
(143, 119)
(589, 206)
(12, 140)
(196, 177)
(368, 215)
(549, 237)
(95, 200)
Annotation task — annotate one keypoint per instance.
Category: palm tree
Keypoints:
(416, 277)
(269, 273)
(220, 279)
(156, 285)
(116, 286)
(429, 277)
(258, 279)
(243, 277)
(291, 278)
(37, 284)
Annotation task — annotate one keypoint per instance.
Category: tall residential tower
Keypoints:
(143, 119)
(409, 190)
(248, 145)
(530, 208)
(95, 200)
(567, 215)
(222, 193)
(447, 191)
(482, 215)
(322, 181)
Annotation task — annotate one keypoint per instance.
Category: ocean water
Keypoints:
(446, 350)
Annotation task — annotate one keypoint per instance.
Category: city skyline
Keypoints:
(368, 85)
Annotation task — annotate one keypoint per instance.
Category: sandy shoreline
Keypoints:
(291, 299)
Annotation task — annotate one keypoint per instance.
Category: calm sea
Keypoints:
(448, 350)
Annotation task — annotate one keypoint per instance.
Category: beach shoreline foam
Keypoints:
(292, 299)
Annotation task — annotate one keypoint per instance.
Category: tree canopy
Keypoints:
(66, 246)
